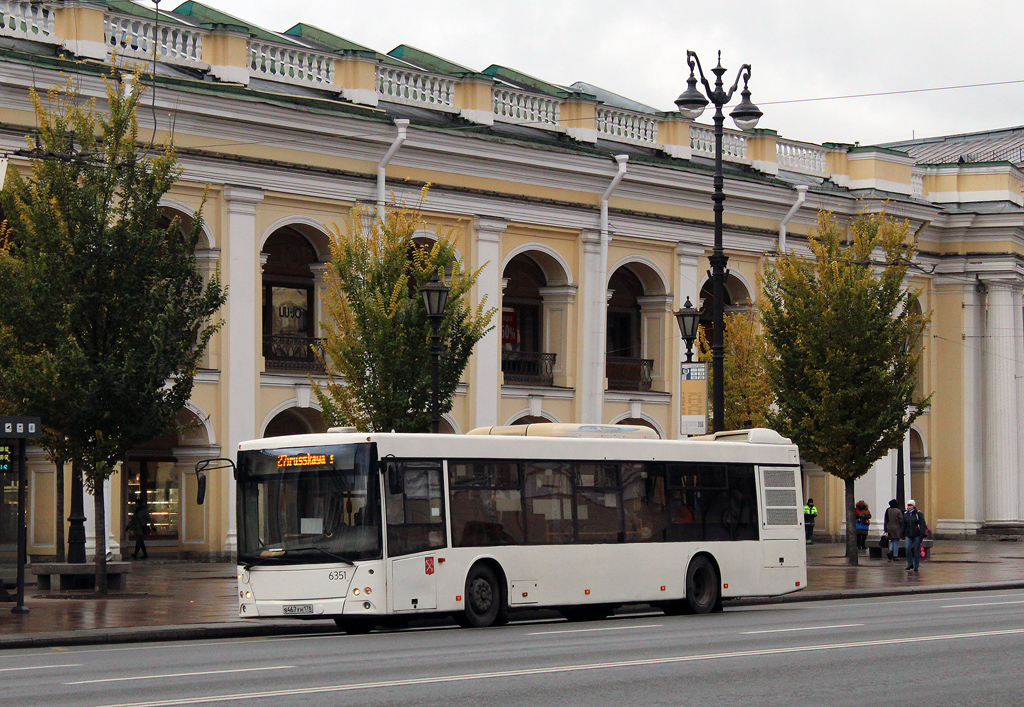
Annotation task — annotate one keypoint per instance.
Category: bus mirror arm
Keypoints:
(209, 465)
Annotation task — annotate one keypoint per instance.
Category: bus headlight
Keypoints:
(355, 592)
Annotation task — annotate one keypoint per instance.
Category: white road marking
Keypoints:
(181, 675)
(805, 628)
(41, 667)
(987, 603)
(202, 699)
(587, 630)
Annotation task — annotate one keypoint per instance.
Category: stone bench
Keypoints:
(78, 576)
(878, 552)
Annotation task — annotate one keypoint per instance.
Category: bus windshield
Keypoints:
(308, 504)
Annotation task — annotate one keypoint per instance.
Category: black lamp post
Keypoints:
(435, 297)
(688, 319)
(691, 104)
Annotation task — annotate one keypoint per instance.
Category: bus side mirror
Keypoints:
(209, 465)
(396, 480)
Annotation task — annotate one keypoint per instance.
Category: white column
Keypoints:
(592, 362)
(1018, 338)
(654, 311)
(486, 384)
(113, 544)
(1002, 487)
(242, 334)
(558, 328)
(687, 285)
(973, 422)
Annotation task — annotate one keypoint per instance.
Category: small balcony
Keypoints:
(293, 353)
(629, 373)
(528, 368)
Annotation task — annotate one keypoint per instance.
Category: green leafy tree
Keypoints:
(748, 396)
(106, 313)
(844, 339)
(377, 336)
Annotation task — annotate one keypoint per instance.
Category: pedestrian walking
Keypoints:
(810, 513)
(863, 523)
(141, 523)
(913, 531)
(893, 528)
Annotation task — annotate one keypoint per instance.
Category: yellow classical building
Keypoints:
(591, 213)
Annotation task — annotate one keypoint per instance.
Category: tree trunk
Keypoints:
(852, 556)
(59, 515)
(100, 514)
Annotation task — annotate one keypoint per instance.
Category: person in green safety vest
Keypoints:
(810, 513)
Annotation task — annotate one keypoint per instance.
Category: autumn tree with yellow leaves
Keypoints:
(376, 332)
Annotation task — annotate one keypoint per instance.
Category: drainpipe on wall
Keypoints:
(601, 290)
(402, 124)
(801, 195)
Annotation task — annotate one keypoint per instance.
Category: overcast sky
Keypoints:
(798, 49)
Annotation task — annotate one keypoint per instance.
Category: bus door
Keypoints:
(781, 532)
(415, 530)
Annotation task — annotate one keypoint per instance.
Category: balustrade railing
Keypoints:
(294, 65)
(136, 37)
(27, 20)
(528, 367)
(801, 157)
(702, 142)
(416, 88)
(293, 353)
(627, 126)
(629, 373)
(523, 107)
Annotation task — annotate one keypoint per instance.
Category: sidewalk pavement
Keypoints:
(173, 600)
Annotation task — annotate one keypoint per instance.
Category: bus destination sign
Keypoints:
(284, 460)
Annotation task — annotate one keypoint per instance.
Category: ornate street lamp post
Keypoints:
(435, 297)
(691, 104)
(688, 319)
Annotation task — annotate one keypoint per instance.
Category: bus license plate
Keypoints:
(298, 609)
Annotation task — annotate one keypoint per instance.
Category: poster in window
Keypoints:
(290, 316)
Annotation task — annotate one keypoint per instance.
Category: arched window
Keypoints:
(288, 305)
(523, 358)
(625, 366)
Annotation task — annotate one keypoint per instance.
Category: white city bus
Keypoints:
(367, 528)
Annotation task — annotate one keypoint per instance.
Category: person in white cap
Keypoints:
(914, 530)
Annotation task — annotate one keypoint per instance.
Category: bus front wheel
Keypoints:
(484, 600)
(702, 592)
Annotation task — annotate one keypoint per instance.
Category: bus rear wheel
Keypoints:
(702, 592)
(484, 599)
(355, 626)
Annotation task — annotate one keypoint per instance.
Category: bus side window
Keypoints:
(486, 504)
(416, 513)
(643, 500)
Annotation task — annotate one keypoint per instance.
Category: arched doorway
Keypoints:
(295, 421)
(159, 473)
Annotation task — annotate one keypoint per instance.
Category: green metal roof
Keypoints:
(336, 43)
(431, 61)
(503, 72)
(208, 16)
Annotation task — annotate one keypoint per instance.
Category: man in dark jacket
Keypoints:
(913, 531)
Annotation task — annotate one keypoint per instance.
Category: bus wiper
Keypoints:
(333, 556)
